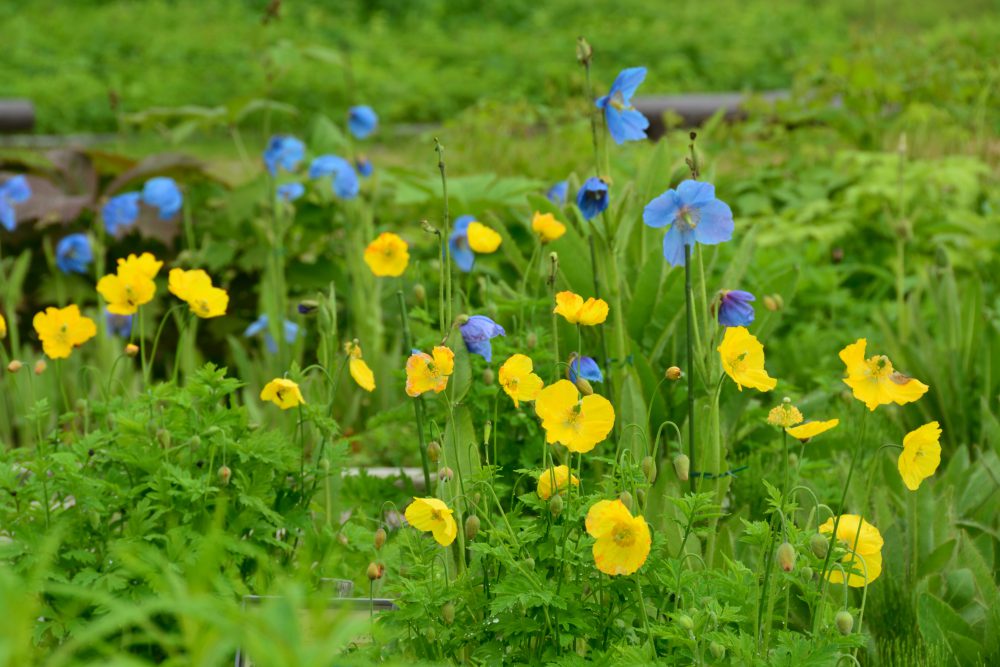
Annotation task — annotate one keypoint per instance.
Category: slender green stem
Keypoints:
(689, 304)
(447, 233)
(418, 402)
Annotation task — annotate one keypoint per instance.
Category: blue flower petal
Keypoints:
(118, 325)
(673, 245)
(16, 190)
(592, 198)
(345, 180)
(258, 325)
(163, 194)
(362, 121)
(715, 224)
(627, 81)
(120, 211)
(695, 194)
(662, 210)
(8, 217)
(557, 193)
(74, 254)
(587, 368)
(477, 332)
(291, 191)
(735, 309)
(285, 152)
(458, 243)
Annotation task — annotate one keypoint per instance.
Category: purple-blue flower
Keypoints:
(163, 194)
(477, 333)
(291, 191)
(625, 123)
(735, 309)
(120, 211)
(118, 325)
(458, 243)
(283, 152)
(13, 191)
(364, 166)
(74, 254)
(345, 180)
(587, 368)
(557, 193)
(694, 216)
(260, 325)
(592, 198)
(362, 121)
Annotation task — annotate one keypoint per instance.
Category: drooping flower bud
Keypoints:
(584, 52)
(685, 622)
(131, 350)
(649, 468)
(420, 293)
(375, 571)
(806, 572)
(461, 319)
(488, 376)
(674, 373)
(472, 524)
(448, 613)
(225, 474)
(445, 474)
(786, 556)
(682, 466)
(583, 385)
(556, 505)
(380, 537)
(433, 451)
(717, 650)
(14, 366)
(770, 303)
(819, 544)
(626, 498)
(487, 431)
(40, 366)
(844, 621)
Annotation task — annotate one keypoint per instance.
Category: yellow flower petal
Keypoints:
(921, 455)
(811, 429)
(577, 311)
(387, 255)
(518, 380)
(426, 373)
(864, 544)
(282, 392)
(743, 360)
(432, 515)
(63, 329)
(362, 374)
(568, 305)
(580, 425)
(874, 381)
(547, 227)
(482, 239)
(3, 327)
(622, 542)
(146, 264)
(557, 478)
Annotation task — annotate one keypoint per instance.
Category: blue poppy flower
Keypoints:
(285, 152)
(291, 332)
(458, 243)
(694, 216)
(345, 180)
(625, 123)
(291, 191)
(118, 325)
(163, 194)
(120, 211)
(735, 309)
(364, 166)
(13, 191)
(362, 121)
(477, 333)
(592, 198)
(557, 193)
(74, 254)
(587, 368)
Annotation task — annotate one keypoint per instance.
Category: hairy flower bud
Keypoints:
(770, 303)
(445, 474)
(580, 646)
(641, 497)
(14, 366)
(806, 572)
(488, 376)
(717, 650)
(420, 293)
(786, 556)
(584, 52)
(429, 228)
(375, 571)
(649, 468)
(131, 350)
(556, 505)
(819, 544)
(844, 621)
(433, 451)
(682, 466)
(583, 386)
(40, 367)
(626, 498)
(674, 373)
(472, 524)
(448, 613)
(461, 319)
(685, 622)
(380, 537)
(225, 474)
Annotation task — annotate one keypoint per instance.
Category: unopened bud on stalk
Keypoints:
(844, 622)
(580, 645)
(584, 386)
(14, 366)
(420, 293)
(806, 572)
(837, 255)
(819, 544)
(529, 563)
(640, 495)
(448, 613)
(717, 650)
(163, 436)
(488, 376)
(584, 52)
(131, 350)
(429, 228)
(685, 622)
(472, 525)
(225, 474)
(786, 556)
(556, 505)
(40, 366)
(433, 451)
(682, 466)
(487, 431)
(461, 319)
(626, 498)
(380, 538)
(343, 539)
(649, 468)
(308, 306)
(445, 474)
(770, 303)
(375, 571)
(674, 373)
(531, 341)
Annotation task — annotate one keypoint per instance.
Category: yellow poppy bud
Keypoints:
(674, 373)
(14, 366)
(380, 538)
(682, 466)
(786, 556)
(131, 350)
(40, 366)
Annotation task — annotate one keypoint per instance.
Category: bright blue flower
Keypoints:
(587, 368)
(285, 152)
(362, 121)
(163, 194)
(477, 333)
(291, 191)
(558, 192)
(458, 243)
(13, 191)
(592, 198)
(625, 123)
(120, 211)
(735, 309)
(118, 325)
(364, 166)
(345, 180)
(260, 325)
(74, 254)
(694, 216)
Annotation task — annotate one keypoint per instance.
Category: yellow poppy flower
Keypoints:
(921, 455)
(557, 478)
(429, 373)
(482, 239)
(577, 311)
(743, 360)
(359, 370)
(547, 227)
(864, 557)
(195, 287)
(874, 381)
(146, 264)
(623, 541)
(578, 424)
(811, 429)
(784, 415)
(518, 380)
(126, 290)
(3, 327)
(387, 255)
(433, 516)
(283, 393)
(62, 329)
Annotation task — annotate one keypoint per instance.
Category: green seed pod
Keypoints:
(194, 442)
(717, 650)
(556, 505)
(433, 451)
(844, 622)
(649, 468)
(819, 544)
(682, 466)
(786, 556)
(472, 524)
(380, 537)
(448, 613)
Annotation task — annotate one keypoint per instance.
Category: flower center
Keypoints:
(623, 535)
(436, 515)
(879, 367)
(618, 102)
(738, 364)
(574, 419)
(687, 218)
